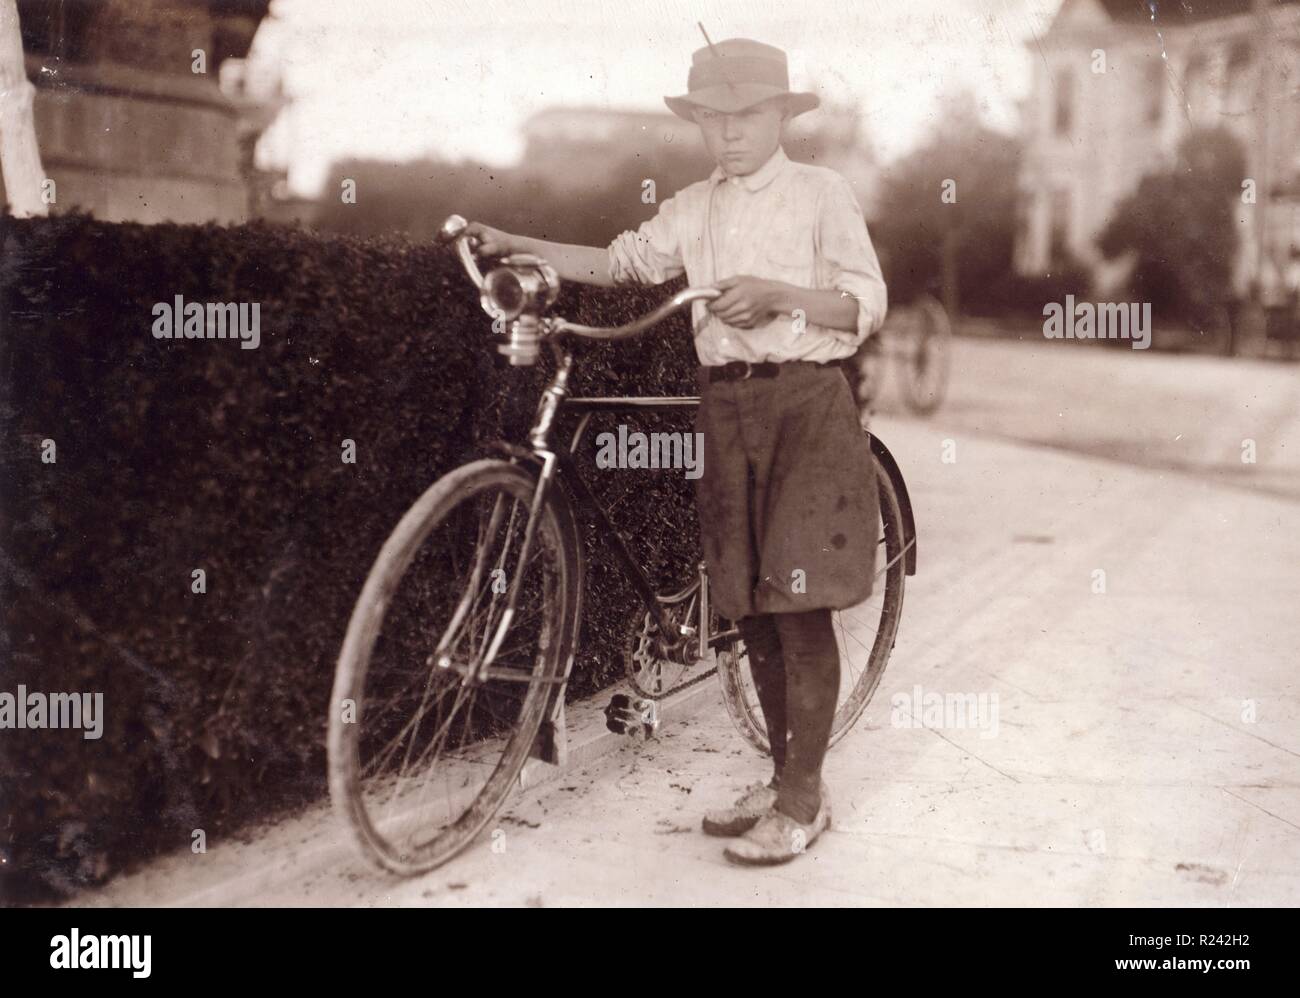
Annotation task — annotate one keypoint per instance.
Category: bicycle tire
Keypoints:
(556, 542)
(738, 692)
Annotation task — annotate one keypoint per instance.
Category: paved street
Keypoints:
(1147, 740)
(1162, 412)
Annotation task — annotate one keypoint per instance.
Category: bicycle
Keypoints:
(918, 336)
(491, 618)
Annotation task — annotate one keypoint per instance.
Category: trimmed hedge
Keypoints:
(175, 455)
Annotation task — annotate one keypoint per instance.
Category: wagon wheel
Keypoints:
(925, 356)
(868, 372)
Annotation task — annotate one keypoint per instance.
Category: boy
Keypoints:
(787, 502)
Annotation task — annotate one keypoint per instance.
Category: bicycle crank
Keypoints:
(656, 666)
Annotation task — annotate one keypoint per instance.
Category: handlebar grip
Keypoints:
(452, 229)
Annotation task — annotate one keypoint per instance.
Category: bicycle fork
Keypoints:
(477, 669)
(479, 672)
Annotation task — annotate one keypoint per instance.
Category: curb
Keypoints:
(588, 741)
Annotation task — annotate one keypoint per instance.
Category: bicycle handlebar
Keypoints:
(454, 229)
(638, 326)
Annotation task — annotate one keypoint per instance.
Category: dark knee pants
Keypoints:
(788, 502)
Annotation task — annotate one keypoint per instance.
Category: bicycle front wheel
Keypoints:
(865, 635)
(440, 691)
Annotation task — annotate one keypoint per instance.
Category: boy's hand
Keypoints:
(746, 301)
(492, 242)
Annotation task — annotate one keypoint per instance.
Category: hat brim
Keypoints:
(736, 97)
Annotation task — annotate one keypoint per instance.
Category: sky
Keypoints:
(401, 79)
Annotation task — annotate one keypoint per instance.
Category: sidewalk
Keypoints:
(1122, 771)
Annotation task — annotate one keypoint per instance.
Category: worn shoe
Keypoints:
(756, 801)
(779, 838)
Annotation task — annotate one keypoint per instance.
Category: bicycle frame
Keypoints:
(554, 464)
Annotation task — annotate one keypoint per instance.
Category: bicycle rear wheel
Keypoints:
(425, 745)
(864, 633)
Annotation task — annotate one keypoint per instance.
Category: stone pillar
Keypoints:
(128, 129)
(20, 157)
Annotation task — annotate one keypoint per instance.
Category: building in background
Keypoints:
(575, 148)
(127, 128)
(1091, 136)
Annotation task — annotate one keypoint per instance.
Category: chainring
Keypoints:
(653, 670)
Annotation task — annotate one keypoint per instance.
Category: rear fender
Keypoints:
(887, 462)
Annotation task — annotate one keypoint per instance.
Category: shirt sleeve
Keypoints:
(650, 255)
(845, 247)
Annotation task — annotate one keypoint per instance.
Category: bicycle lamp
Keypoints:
(524, 283)
(517, 292)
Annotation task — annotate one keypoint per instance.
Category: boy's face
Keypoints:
(743, 141)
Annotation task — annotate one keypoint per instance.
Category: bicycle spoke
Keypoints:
(387, 706)
(440, 735)
(413, 722)
(862, 644)
(436, 740)
(429, 770)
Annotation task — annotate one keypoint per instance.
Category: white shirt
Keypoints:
(786, 221)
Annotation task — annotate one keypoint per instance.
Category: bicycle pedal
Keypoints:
(636, 717)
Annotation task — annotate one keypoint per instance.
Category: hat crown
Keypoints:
(738, 60)
(738, 47)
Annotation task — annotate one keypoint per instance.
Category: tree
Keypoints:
(1181, 227)
(958, 186)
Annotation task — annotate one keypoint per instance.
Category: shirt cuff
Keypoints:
(872, 303)
(627, 265)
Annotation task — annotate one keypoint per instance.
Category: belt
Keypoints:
(742, 370)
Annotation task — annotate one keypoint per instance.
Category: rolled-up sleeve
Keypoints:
(844, 248)
(650, 255)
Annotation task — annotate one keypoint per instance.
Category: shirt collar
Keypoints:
(761, 177)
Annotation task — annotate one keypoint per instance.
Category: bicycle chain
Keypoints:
(687, 684)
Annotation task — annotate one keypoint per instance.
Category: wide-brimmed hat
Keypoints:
(737, 73)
